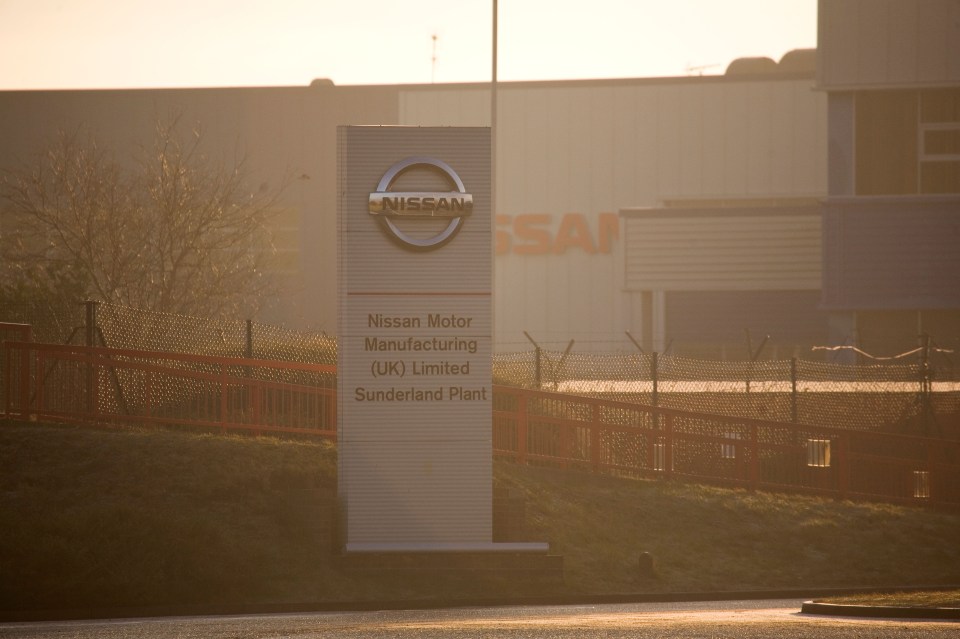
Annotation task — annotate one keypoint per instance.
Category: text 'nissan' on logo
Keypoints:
(391, 206)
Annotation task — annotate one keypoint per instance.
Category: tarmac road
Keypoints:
(734, 619)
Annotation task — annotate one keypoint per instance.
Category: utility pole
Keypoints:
(493, 154)
(493, 119)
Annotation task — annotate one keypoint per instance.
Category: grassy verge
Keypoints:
(925, 599)
(151, 517)
(705, 538)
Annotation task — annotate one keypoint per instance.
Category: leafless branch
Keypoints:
(173, 231)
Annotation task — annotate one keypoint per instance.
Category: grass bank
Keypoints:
(101, 517)
(926, 599)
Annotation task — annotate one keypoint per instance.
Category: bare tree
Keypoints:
(173, 231)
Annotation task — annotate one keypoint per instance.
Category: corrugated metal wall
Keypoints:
(722, 249)
(593, 148)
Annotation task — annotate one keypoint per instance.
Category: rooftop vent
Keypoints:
(751, 66)
(798, 61)
(795, 61)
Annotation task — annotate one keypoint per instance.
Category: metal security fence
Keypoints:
(13, 367)
(124, 327)
(624, 438)
(116, 326)
(916, 395)
(905, 398)
(94, 384)
(89, 384)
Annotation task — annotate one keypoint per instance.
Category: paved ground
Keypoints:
(735, 619)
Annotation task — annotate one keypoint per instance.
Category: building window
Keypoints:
(886, 142)
(938, 148)
(907, 142)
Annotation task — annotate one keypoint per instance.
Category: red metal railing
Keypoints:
(16, 372)
(91, 384)
(603, 436)
(96, 385)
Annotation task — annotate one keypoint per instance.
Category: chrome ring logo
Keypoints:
(390, 206)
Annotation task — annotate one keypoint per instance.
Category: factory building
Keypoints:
(891, 221)
(814, 199)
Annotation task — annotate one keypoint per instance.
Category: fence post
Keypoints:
(25, 374)
(250, 391)
(668, 448)
(25, 353)
(537, 357)
(635, 342)
(843, 465)
(255, 390)
(925, 383)
(223, 397)
(595, 438)
(522, 429)
(754, 457)
(793, 390)
(537, 375)
(565, 451)
(332, 416)
(654, 365)
(90, 340)
(6, 378)
(39, 365)
(653, 440)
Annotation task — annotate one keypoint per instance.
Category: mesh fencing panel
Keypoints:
(124, 327)
(899, 397)
(128, 328)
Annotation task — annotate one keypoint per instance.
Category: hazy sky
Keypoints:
(141, 43)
